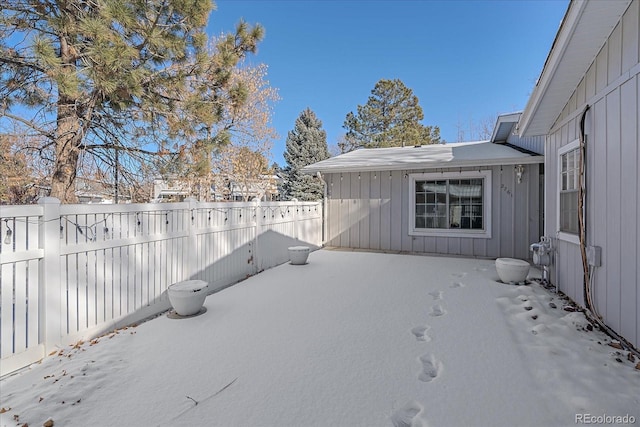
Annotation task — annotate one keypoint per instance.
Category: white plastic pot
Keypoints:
(512, 270)
(187, 297)
(298, 254)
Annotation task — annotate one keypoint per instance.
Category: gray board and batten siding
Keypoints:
(611, 87)
(370, 210)
(609, 84)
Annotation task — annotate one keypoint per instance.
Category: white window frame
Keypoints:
(485, 175)
(563, 235)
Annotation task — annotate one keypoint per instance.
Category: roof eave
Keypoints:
(566, 30)
(519, 160)
(585, 28)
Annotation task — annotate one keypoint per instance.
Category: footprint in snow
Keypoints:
(408, 416)
(436, 295)
(421, 333)
(459, 275)
(457, 285)
(437, 311)
(431, 368)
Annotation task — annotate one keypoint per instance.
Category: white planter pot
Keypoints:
(298, 254)
(512, 270)
(187, 297)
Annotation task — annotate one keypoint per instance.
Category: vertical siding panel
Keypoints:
(493, 244)
(397, 182)
(551, 187)
(345, 194)
(598, 197)
(466, 246)
(630, 36)
(534, 200)
(442, 245)
(385, 210)
(407, 240)
(580, 94)
(520, 215)
(333, 214)
(354, 210)
(454, 246)
(550, 190)
(629, 190)
(590, 85)
(613, 213)
(567, 271)
(577, 273)
(615, 54)
(364, 212)
(601, 69)
(571, 105)
(430, 245)
(507, 204)
(374, 210)
(637, 341)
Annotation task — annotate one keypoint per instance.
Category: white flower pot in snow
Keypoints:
(512, 270)
(187, 297)
(298, 254)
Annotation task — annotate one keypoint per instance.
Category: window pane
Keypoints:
(450, 204)
(569, 212)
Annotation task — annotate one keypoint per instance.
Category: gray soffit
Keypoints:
(504, 127)
(462, 154)
(584, 30)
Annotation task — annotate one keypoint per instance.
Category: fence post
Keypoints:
(192, 240)
(50, 275)
(258, 230)
(295, 218)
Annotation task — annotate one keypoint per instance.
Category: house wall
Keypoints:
(370, 210)
(531, 143)
(611, 87)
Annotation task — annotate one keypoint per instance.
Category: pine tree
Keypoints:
(306, 144)
(132, 77)
(390, 118)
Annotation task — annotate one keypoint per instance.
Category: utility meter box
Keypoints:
(594, 256)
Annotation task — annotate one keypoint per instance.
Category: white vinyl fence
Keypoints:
(71, 272)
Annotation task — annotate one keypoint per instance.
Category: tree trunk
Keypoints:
(68, 140)
(68, 136)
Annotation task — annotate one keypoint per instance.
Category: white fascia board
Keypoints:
(567, 28)
(520, 160)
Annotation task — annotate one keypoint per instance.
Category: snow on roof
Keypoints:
(460, 154)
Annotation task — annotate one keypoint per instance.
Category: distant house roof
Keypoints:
(585, 28)
(461, 154)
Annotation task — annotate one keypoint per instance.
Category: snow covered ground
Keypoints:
(350, 339)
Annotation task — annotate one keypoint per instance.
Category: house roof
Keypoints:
(585, 28)
(462, 154)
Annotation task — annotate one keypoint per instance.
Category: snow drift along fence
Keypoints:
(70, 272)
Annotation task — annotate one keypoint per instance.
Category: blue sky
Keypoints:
(466, 61)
